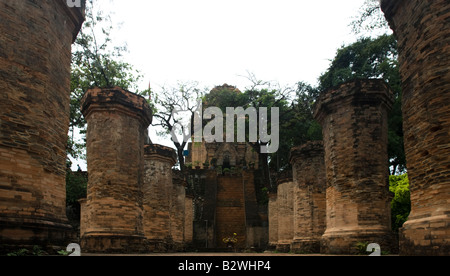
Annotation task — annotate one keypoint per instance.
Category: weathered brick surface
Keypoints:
(354, 120)
(157, 192)
(117, 120)
(308, 166)
(230, 210)
(233, 152)
(177, 215)
(186, 204)
(423, 32)
(256, 216)
(285, 210)
(273, 220)
(235, 210)
(189, 220)
(35, 56)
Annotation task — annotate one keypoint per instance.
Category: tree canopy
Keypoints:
(401, 203)
(95, 63)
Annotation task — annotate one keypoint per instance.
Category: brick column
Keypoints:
(308, 166)
(117, 121)
(285, 202)
(422, 29)
(158, 186)
(35, 57)
(354, 120)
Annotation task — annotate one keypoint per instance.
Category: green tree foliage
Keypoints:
(76, 189)
(297, 124)
(366, 58)
(370, 58)
(95, 63)
(370, 18)
(401, 204)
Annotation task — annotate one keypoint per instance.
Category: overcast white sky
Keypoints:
(215, 42)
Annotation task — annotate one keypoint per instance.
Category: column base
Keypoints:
(283, 247)
(426, 237)
(307, 245)
(345, 241)
(19, 233)
(114, 244)
(158, 245)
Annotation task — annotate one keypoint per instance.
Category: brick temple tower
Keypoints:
(228, 179)
(35, 58)
(422, 28)
(230, 201)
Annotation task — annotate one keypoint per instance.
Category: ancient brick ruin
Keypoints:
(158, 186)
(134, 201)
(285, 214)
(308, 165)
(422, 29)
(115, 142)
(336, 196)
(35, 58)
(227, 172)
(354, 119)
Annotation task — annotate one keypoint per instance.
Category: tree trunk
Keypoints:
(264, 163)
(180, 150)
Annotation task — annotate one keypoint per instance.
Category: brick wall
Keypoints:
(189, 220)
(230, 210)
(177, 215)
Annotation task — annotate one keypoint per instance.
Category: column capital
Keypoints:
(306, 150)
(162, 153)
(118, 100)
(357, 92)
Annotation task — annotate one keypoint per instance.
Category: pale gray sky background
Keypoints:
(215, 42)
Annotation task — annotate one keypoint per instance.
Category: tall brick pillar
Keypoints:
(422, 28)
(285, 202)
(308, 167)
(354, 120)
(117, 121)
(158, 185)
(35, 57)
